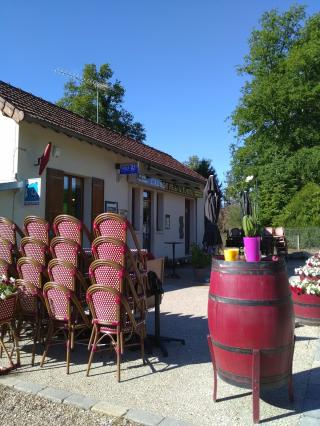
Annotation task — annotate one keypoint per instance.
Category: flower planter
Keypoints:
(252, 248)
(306, 308)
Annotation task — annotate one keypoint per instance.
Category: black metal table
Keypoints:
(173, 243)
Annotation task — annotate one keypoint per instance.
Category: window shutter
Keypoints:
(54, 194)
(97, 206)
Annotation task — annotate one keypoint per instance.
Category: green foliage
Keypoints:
(230, 217)
(199, 259)
(202, 166)
(278, 116)
(251, 227)
(308, 238)
(303, 210)
(81, 98)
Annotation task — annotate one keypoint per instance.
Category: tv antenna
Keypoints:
(98, 86)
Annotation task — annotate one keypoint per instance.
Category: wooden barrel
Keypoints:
(306, 308)
(249, 310)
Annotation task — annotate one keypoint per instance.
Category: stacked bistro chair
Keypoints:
(7, 323)
(73, 229)
(116, 226)
(112, 316)
(9, 231)
(66, 316)
(66, 274)
(31, 304)
(38, 228)
(34, 249)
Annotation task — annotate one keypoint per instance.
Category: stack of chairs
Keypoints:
(57, 289)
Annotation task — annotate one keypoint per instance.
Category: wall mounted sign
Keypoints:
(32, 192)
(129, 169)
(111, 206)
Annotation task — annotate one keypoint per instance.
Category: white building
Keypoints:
(92, 169)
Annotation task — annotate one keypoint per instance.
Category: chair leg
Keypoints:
(91, 339)
(93, 347)
(142, 348)
(69, 343)
(15, 342)
(118, 352)
(48, 339)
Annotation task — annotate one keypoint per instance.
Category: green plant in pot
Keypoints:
(200, 262)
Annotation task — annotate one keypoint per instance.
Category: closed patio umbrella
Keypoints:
(246, 208)
(212, 204)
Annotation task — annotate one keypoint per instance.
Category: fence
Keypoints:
(303, 238)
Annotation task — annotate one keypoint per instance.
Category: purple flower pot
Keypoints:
(252, 248)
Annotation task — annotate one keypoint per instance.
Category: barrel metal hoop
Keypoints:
(236, 349)
(248, 302)
(248, 268)
(307, 305)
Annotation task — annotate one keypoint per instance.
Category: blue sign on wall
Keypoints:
(129, 169)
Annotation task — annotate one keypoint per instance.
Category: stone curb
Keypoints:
(82, 402)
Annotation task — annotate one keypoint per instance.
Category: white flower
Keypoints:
(249, 178)
(12, 280)
(2, 296)
(3, 277)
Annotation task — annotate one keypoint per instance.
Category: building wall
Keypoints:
(9, 149)
(79, 158)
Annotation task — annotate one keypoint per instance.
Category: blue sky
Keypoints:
(176, 59)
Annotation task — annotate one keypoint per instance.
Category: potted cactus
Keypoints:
(252, 238)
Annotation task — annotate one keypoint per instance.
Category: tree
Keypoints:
(277, 119)
(81, 98)
(203, 166)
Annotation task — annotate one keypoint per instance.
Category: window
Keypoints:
(73, 196)
(159, 211)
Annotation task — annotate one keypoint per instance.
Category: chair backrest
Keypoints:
(4, 269)
(9, 230)
(8, 308)
(37, 227)
(30, 270)
(6, 248)
(65, 249)
(108, 248)
(109, 307)
(70, 227)
(108, 273)
(62, 304)
(34, 249)
(268, 231)
(63, 273)
(279, 231)
(116, 226)
(27, 297)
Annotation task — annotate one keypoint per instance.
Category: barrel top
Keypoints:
(264, 267)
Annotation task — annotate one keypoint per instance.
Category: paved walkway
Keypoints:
(180, 386)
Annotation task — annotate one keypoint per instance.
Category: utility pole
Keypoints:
(96, 84)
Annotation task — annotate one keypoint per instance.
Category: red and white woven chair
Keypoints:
(29, 311)
(38, 228)
(69, 250)
(66, 274)
(31, 270)
(34, 249)
(6, 250)
(66, 316)
(8, 341)
(70, 227)
(107, 248)
(9, 230)
(112, 318)
(116, 226)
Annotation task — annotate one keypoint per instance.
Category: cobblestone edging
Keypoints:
(82, 402)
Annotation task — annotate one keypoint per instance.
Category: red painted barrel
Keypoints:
(250, 308)
(306, 308)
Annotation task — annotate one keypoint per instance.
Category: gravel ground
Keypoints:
(20, 408)
(179, 386)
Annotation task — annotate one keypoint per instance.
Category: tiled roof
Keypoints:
(37, 109)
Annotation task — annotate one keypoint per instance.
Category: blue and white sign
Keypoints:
(129, 169)
(32, 192)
